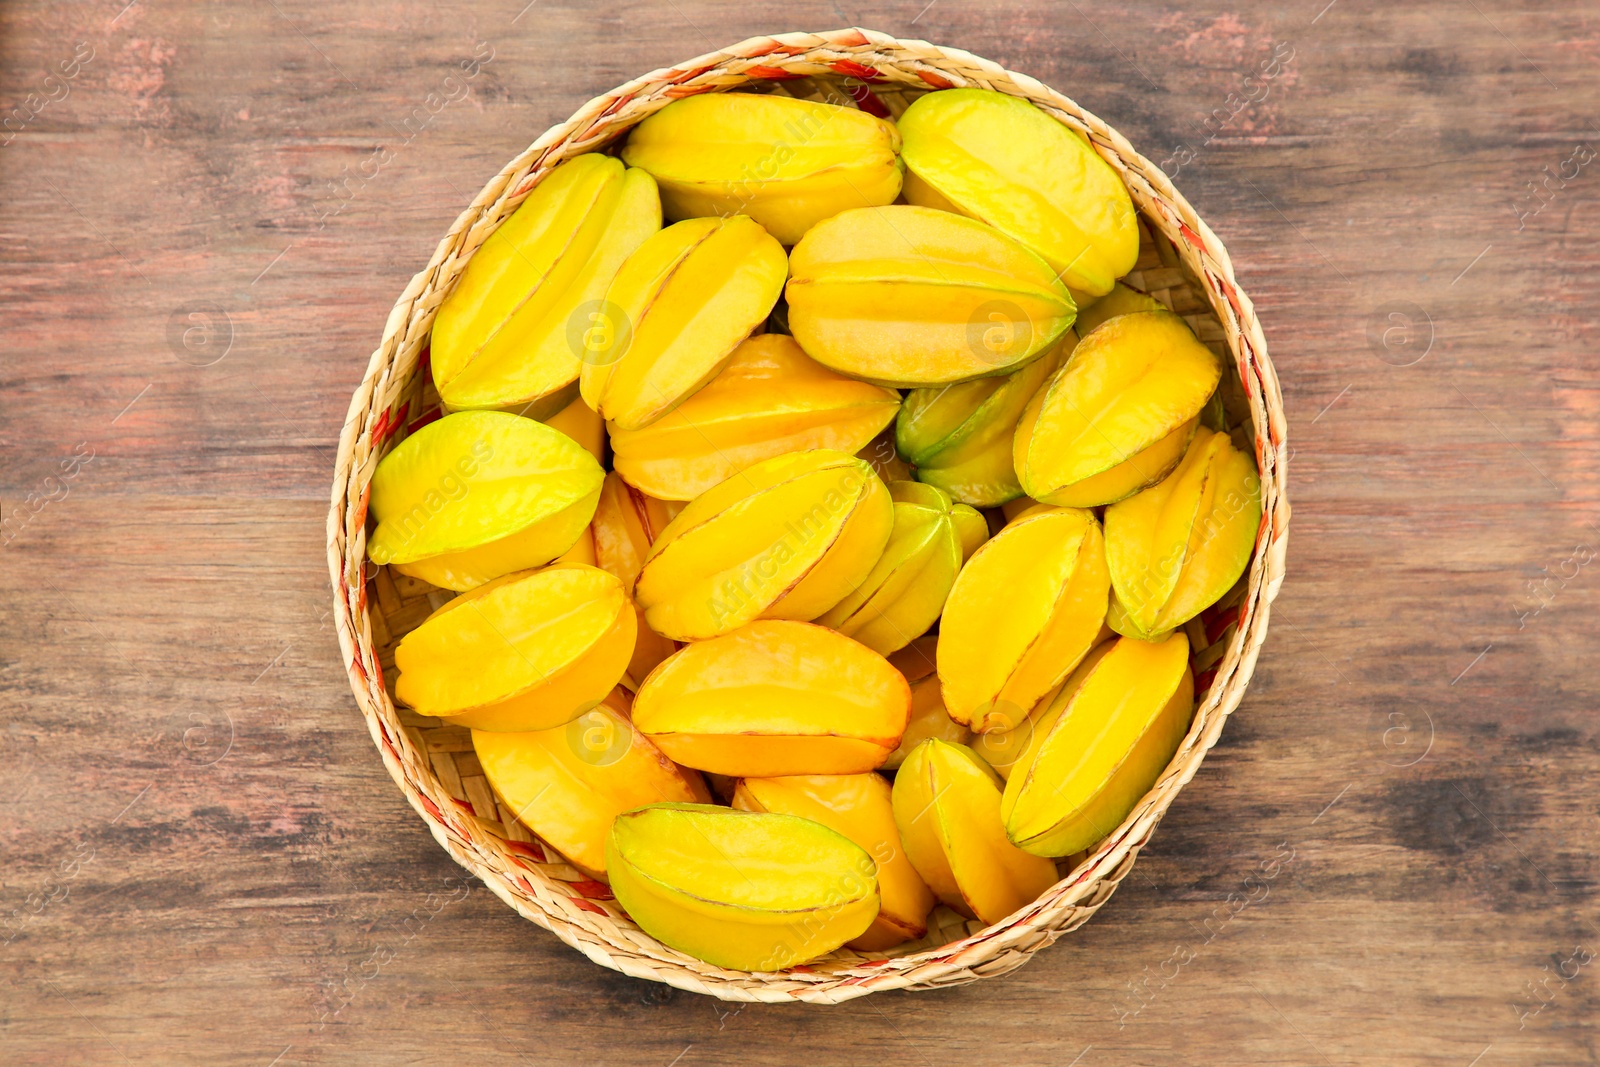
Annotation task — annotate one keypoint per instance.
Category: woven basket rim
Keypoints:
(868, 56)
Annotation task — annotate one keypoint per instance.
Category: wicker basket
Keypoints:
(1181, 262)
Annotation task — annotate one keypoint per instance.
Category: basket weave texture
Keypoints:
(1181, 262)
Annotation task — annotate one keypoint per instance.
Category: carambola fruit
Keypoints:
(1118, 415)
(509, 335)
(916, 660)
(626, 523)
(1122, 300)
(1100, 747)
(928, 719)
(479, 494)
(971, 527)
(859, 807)
(752, 891)
(1000, 159)
(787, 538)
(947, 806)
(775, 698)
(528, 651)
(886, 462)
(673, 314)
(1175, 548)
(1011, 510)
(579, 422)
(786, 163)
(568, 783)
(913, 190)
(910, 296)
(905, 591)
(1025, 609)
(959, 436)
(582, 550)
(771, 398)
(1003, 748)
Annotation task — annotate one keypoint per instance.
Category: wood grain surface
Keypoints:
(208, 209)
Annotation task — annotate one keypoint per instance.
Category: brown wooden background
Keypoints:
(1390, 859)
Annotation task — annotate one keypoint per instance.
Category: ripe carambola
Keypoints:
(1100, 747)
(754, 891)
(1000, 159)
(787, 538)
(504, 337)
(909, 296)
(479, 494)
(1177, 547)
(786, 163)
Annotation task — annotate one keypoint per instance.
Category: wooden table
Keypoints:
(208, 209)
